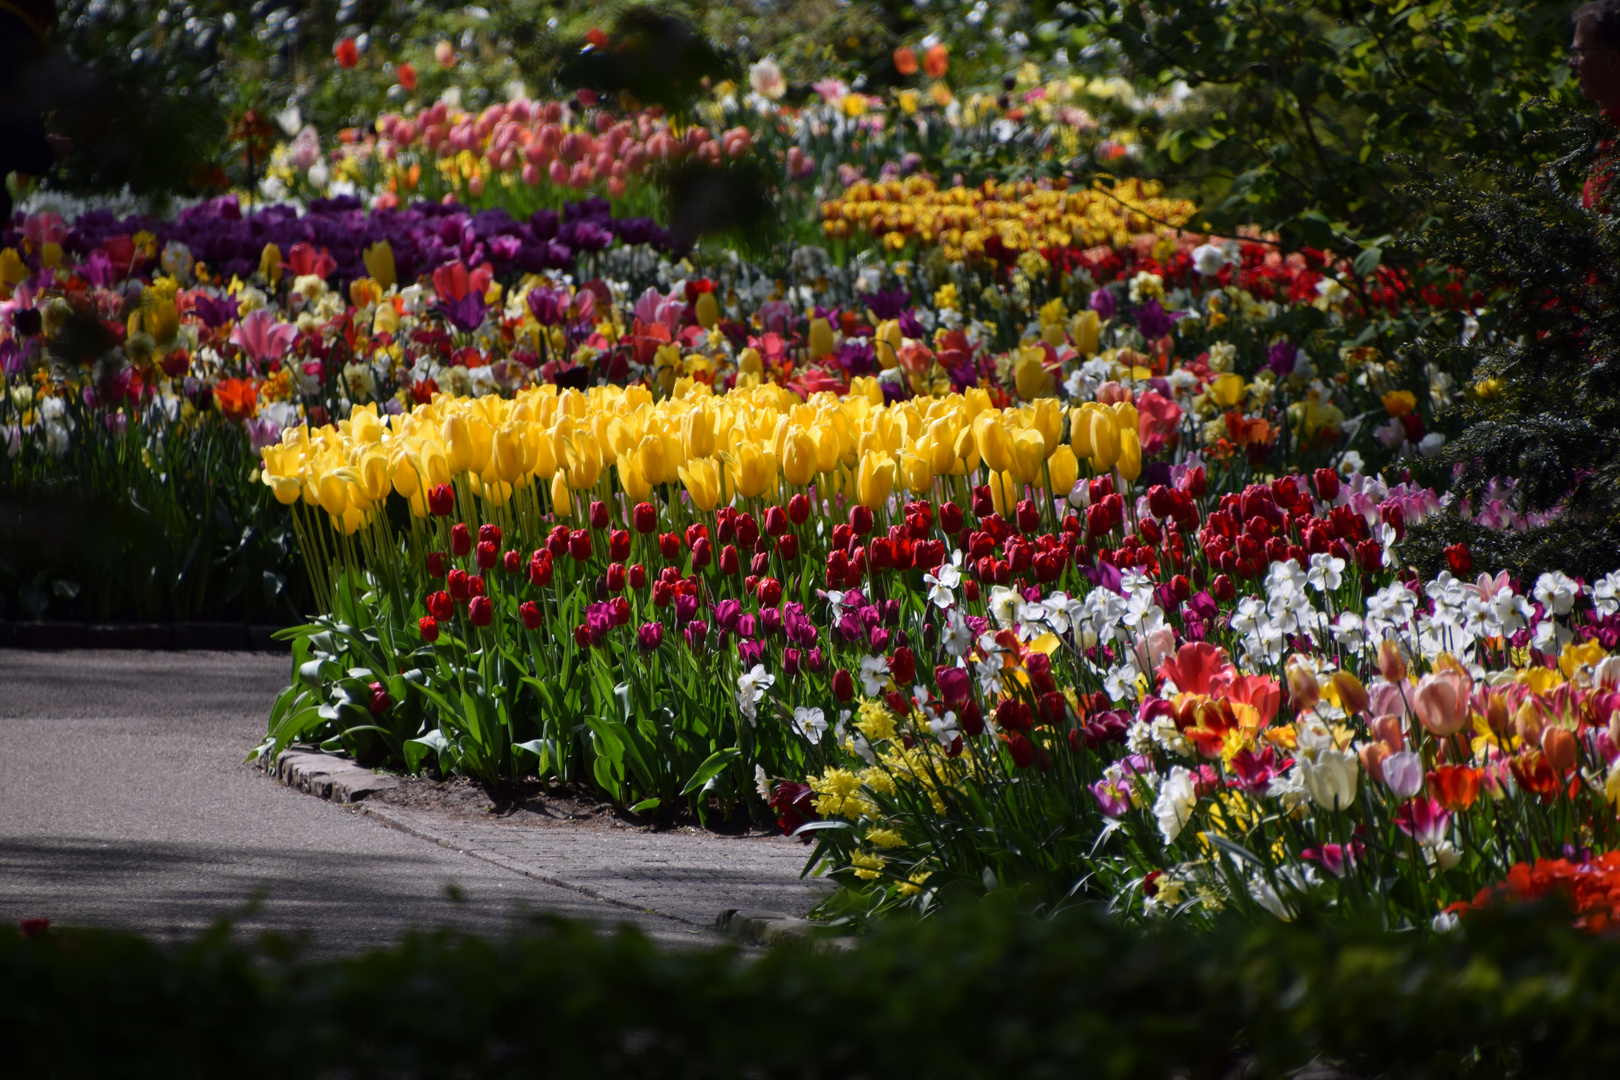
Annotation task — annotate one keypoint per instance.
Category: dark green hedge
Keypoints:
(975, 992)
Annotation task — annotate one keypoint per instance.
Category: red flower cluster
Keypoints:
(1591, 886)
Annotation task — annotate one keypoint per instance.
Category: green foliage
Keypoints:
(1310, 117)
(979, 992)
(1543, 412)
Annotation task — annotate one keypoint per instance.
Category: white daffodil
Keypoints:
(1003, 605)
(1174, 805)
(1326, 573)
(941, 585)
(1606, 594)
(1556, 592)
(751, 687)
(874, 674)
(958, 634)
(811, 724)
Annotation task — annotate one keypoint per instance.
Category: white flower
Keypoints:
(1606, 594)
(874, 674)
(1349, 631)
(1445, 922)
(1208, 259)
(751, 687)
(1331, 778)
(810, 723)
(762, 783)
(1327, 573)
(766, 79)
(1246, 619)
(1174, 805)
(1557, 592)
(958, 635)
(1060, 611)
(989, 672)
(941, 583)
(1003, 604)
(1142, 614)
(1286, 577)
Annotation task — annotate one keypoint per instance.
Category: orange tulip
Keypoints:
(905, 61)
(1455, 786)
(936, 60)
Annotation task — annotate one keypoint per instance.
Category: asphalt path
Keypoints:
(125, 802)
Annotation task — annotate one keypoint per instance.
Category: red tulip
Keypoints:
(429, 628)
(512, 562)
(615, 577)
(460, 539)
(487, 556)
(843, 685)
(638, 576)
(599, 514)
(619, 545)
(480, 611)
(645, 517)
(379, 699)
(435, 565)
(346, 52)
(459, 589)
(529, 612)
(441, 500)
(579, 545)
(798, 509)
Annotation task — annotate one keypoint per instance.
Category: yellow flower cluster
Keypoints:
(1021, 216)
(748, 444)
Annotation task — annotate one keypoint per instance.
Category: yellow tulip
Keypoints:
(821, 338)
(1030, 374)
(270, 263)
(1029, 454)
(375, 479)
(875, 481)
(800, 459)
(379, 260)
(1105, 440)
(386, 320)
(865, 386)
(1128, 417)
(917, 473)
(1130, 455)
(697, 429)
(706, 310)
(163, 321)
(635, 485)
(994, 443)
(702, 483)
(941, 443)
(1004, 493)
(458, 443)
(1086, 328)
(1080, 429)
(13, 271)
(584, 461)
(1064, 469)
(333, 493)
(1046, 417)
(363, 292)
(886, 342)
(752, 470)
(404, 476)
(561, 501)
(1227, 390)
(508, 456)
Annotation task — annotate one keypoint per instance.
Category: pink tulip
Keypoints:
(531, 175)
(616, 187)
(262, 338)
(1442, 701)
(581, 176)
(558, 172)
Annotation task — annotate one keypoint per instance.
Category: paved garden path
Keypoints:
(124, 801)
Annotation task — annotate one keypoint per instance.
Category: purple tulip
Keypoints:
(1104, 304)
(1280, 358)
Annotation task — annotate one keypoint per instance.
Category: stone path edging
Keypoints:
(161, 637)
(770, 870)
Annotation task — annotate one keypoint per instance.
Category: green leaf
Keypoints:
(711, 768)
(645, 805)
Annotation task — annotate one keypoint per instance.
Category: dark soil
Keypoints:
(534, 803)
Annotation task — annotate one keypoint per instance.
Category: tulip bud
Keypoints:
(798, 509)
(489, 534)
(428, 626)
(747, 530)
(1387, 730)
(769, 591)
(1352, 695)
(1497, 716)
(776, 522)
(700, 553)
(729, 563)
(380, 701)
(1327, 484)
(615, 577)
(599, 515)
(458, 584)
(480, 611)
(860, 520)
(441, 500)
(903, 666)
(1302, 688)
(487, 555)
(788, 547)
(1372, 759)
(669, 546)
(790, 661)
(529, 612)
(460, 539)
(435, 565)
(1558, 744)
(619, 545)
(638, 576)
(1529, 722)
(843, 685)
(540, 569)
(579, 545)
(1223, 589)
(645, 517)
(1391, 664)
(984, 503)
(1028, 517)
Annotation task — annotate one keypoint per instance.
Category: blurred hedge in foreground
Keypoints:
(973, 992)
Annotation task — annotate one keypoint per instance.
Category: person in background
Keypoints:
(1594, 57)
(25, 147)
